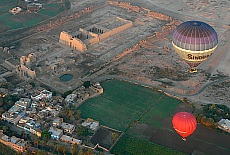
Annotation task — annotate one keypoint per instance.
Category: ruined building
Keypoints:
(94, 33)
(23, 69)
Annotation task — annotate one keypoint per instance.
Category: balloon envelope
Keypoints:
(184, 123)
(194, 41)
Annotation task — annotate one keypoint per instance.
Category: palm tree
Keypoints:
(88, 152)
(28, 145)
(58, 148)
(4, 128)
(63, 148)
(74, 149)
(80, 152)
(36, 143)
(43, 143)
(70, 113)
(22, 134)
(55, 145)
(78, 114)
(50, 144)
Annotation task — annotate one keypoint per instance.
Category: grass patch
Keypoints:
(123, 102)
(129, 145)
(32, 22)
(12, 24)
(5, 16)
(49, 12)
(4, 2)
(5, 9)
(54, 5)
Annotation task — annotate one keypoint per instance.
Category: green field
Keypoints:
(5, 2)
(49, 12)
(51, 9)
(129, 145)
(5, 16)
(123, 102)
(7, 19)
(162, 110)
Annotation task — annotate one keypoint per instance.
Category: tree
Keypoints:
(78, 115)
(66, 93)
(50, 144)
(41, 152)
(4, 128)
(74, 149)
(88, 152)
(63, 149)
(86, 84)
(80, 152)
(43, 142)
(58, 148)
(23, 134)
(114, 136)
(79, 130)
(46, 135)
(36, 143)
(85, 131)
(54, 93)
(32, 84)
(55, 145)
(70, 113)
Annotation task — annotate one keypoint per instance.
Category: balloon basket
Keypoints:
(193, 70)
(184, 139)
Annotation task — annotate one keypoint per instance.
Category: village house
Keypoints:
(71, 140)
(19, 145)
(69, 128)
(92, 124)
(55, 133)
(224, 124)
(14, 114)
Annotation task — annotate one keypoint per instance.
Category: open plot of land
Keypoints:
(203, 140)
(103, 137)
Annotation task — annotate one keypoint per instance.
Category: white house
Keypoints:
(55, 133)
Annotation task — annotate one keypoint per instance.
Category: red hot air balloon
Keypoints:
(184, 123)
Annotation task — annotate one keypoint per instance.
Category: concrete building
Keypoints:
(92, 124)
(70, 99)
(71, 140)
(224, 124)
(15, 10)
(57, 122)
(23, 102)
(69, 128)
(15, 143)
(14, 114)
(55, 133)
(44, 94)
(34, 7)
(95, 33)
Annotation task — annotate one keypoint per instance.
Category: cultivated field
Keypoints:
(130, 145)
(122, 103)
(25, 19)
